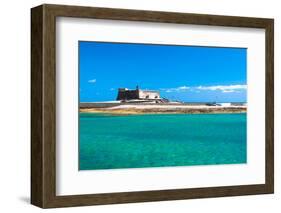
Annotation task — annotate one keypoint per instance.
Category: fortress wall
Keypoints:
(149, 94)
(127, 95)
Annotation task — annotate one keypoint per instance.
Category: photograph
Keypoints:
(140, 105)
(155, 105)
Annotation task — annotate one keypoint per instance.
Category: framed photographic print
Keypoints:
(136, 106)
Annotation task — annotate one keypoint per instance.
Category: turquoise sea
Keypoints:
(138, 141)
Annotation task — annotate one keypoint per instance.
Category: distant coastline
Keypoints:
(142, 108)
(144, 101)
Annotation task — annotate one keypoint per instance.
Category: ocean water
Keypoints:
(139, 141)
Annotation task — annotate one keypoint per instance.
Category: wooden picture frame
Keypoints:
(43, 105)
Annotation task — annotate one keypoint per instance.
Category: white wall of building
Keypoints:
(143, 94)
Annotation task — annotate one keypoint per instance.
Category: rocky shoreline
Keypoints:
(176, 109)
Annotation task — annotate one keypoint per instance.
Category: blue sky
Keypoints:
(185, 73)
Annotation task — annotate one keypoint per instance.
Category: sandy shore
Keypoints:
(165, 109)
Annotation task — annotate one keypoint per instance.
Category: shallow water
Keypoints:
(138, 141)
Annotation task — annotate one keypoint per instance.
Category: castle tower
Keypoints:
(125, 94)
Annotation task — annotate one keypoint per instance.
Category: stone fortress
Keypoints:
(133, 95)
